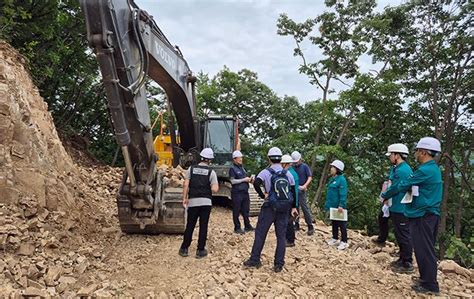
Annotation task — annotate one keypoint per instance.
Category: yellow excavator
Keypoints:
(130, 47)
(162, 144)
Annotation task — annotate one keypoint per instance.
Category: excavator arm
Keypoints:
(130, 47)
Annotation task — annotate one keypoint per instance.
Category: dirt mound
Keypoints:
(48, 205)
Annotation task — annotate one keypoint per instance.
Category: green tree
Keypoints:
(341, 43)
(430, 45)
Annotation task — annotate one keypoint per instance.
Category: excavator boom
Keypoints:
(130, 47)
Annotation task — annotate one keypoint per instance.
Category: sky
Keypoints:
(243, 34)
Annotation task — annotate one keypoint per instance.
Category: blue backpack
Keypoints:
(279, 196)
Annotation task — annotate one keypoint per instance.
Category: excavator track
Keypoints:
(255, 202)
(167, 215)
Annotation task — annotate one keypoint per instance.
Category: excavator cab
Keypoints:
(221, 134)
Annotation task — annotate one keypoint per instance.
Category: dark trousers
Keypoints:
(266, 217)
(290, 230)
(303, 203)
(240, 206)
(423, 232)
(402, 234)
(383, 228)
(201, 212)
(336, 224)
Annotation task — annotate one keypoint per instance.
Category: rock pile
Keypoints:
(59, 234)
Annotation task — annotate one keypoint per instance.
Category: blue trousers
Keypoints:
(423, 232)
(240, 205)
(266, 217)
(303, 203)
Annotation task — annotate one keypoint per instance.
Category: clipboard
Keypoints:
(335, 215)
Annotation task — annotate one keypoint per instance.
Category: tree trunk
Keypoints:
(464, 190)
(444, 201)
(325, 171)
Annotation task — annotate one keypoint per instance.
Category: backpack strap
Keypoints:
(271, 170)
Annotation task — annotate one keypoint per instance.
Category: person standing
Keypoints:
(397, 154)
(305, 177)
(423, 212)
(269, 214)
(336, 198)
(199, 184)
(240, 194)
(286, 163)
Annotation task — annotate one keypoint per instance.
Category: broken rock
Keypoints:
(26, 249)
(53, 274)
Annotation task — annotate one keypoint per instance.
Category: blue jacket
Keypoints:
(430, 188)
(336, 192)
(399, 173)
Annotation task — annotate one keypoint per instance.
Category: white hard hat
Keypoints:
(286, 159)
(207, 153)
(338, 164)
(236, 154)
(429, 143)
(296, 156)
(397, 148)
(274, 152)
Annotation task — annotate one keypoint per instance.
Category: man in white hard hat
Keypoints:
(275, 209)
(240, 193)
(397, 153)
(426, 186)
(199, 184)
(305, 177)
(336, 198)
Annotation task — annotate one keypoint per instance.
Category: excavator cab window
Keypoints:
(220, 136)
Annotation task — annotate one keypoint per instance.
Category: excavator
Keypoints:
(130, 49)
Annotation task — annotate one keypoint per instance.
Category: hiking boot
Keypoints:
(332, 242)
(277, 268)
(239, 231)
(416, 281)
(252, 264)
(378, 242)
(290, 244)
(183, 252)
(404, 268)
(249, 229)
(422, 290)
(310, 231)
(342, 246)
(397, 263)
(201, 253)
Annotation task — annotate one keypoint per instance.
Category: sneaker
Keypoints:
(422, 290)
(249, 229)
(251, 264)
(310, 231)
(277, 268)
(332, 242)
(201, 253)
(342, 246)
(183, 252)
(404, 268)
(239, 231)
(290, 244)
